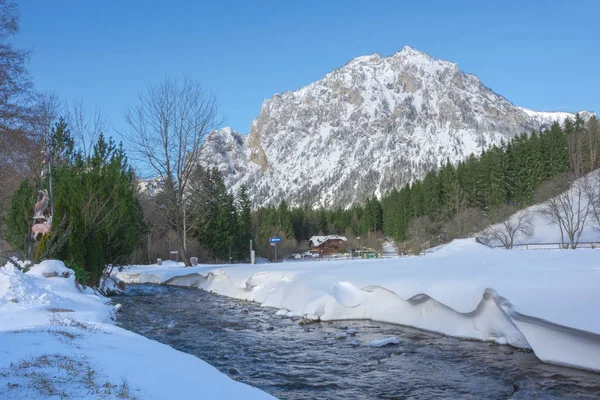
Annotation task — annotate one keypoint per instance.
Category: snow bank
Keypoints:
(55, 332)
(546, 300)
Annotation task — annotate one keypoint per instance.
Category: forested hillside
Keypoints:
(456, 200)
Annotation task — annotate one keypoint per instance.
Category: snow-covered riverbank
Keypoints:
(546, 300)
(59, 341)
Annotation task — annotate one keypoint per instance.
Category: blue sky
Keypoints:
(543, 55)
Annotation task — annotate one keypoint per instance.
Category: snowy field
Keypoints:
(547, 233)
(546, 300)
(57, 341)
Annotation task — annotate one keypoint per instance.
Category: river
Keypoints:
(292, 360)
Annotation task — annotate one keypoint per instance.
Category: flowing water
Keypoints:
(292, 360)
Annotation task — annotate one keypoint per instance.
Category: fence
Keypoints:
(339, 258)
(547, 246)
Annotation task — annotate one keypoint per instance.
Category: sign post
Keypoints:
(176, 254)
(251, 258)
(274, 241)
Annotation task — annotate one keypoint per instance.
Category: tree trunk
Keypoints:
(182, 252)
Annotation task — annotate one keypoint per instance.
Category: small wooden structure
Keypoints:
(325, 245)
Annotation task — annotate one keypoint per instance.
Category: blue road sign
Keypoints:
(275, 239)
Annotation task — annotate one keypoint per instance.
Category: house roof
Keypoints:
(319, 240)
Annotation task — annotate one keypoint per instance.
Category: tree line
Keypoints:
(456, 199)
(452, 201)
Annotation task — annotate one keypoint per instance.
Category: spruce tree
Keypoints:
(97, 197)
(18, 219)
(431, 194)
(284, 220)
(244, 213)
(450, 188)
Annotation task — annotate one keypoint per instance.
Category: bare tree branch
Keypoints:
(569, 210)
(511, 227)
(85, 126)
(166, 131)
(592, 191)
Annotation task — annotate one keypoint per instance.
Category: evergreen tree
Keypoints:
(18, 219)
(62, 144)
(284, 222)
(493, 182)
(417, 199)
(519, 181)
(97, 196)
(218, 218)
(450, 188)
(227, 228)
(373, 220)
(321, 222)
(244, 212)
(389, 210)
(402, 213)
(431, 193)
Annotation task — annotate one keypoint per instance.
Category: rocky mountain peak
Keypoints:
(371, 125)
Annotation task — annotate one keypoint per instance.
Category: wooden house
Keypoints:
(325, 245)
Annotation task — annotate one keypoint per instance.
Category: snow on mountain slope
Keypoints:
(543, 118)
(373, 124)
(545, 231)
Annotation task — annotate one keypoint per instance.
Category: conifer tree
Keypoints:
(285, 220)
(227, 228)
(244, 212)
(431, 194)
(389, 210)
(450, 188)
(97, 196)
(493, 179)
(417, 199)
(18, 220)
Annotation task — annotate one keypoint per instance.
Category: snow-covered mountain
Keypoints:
(371, 125)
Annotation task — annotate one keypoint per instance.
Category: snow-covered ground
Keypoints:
(548, 232)
(546, 300)
(57, 341)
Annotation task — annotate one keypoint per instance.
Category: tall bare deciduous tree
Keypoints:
(592, 190)
(569, 209)
(16, 96)
(167, 129)
(15, 83)
(15, 93)
(592, 132)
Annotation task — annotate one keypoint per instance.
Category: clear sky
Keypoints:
(543, 55)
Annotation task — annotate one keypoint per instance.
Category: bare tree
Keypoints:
(511, 226)
(592, 191)
(577, 154)
(425, 232)
(592, 131)
(167, 129)
(15, 83)
(465, 223)
(570, 211)
(86, 126)
(16, 96)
